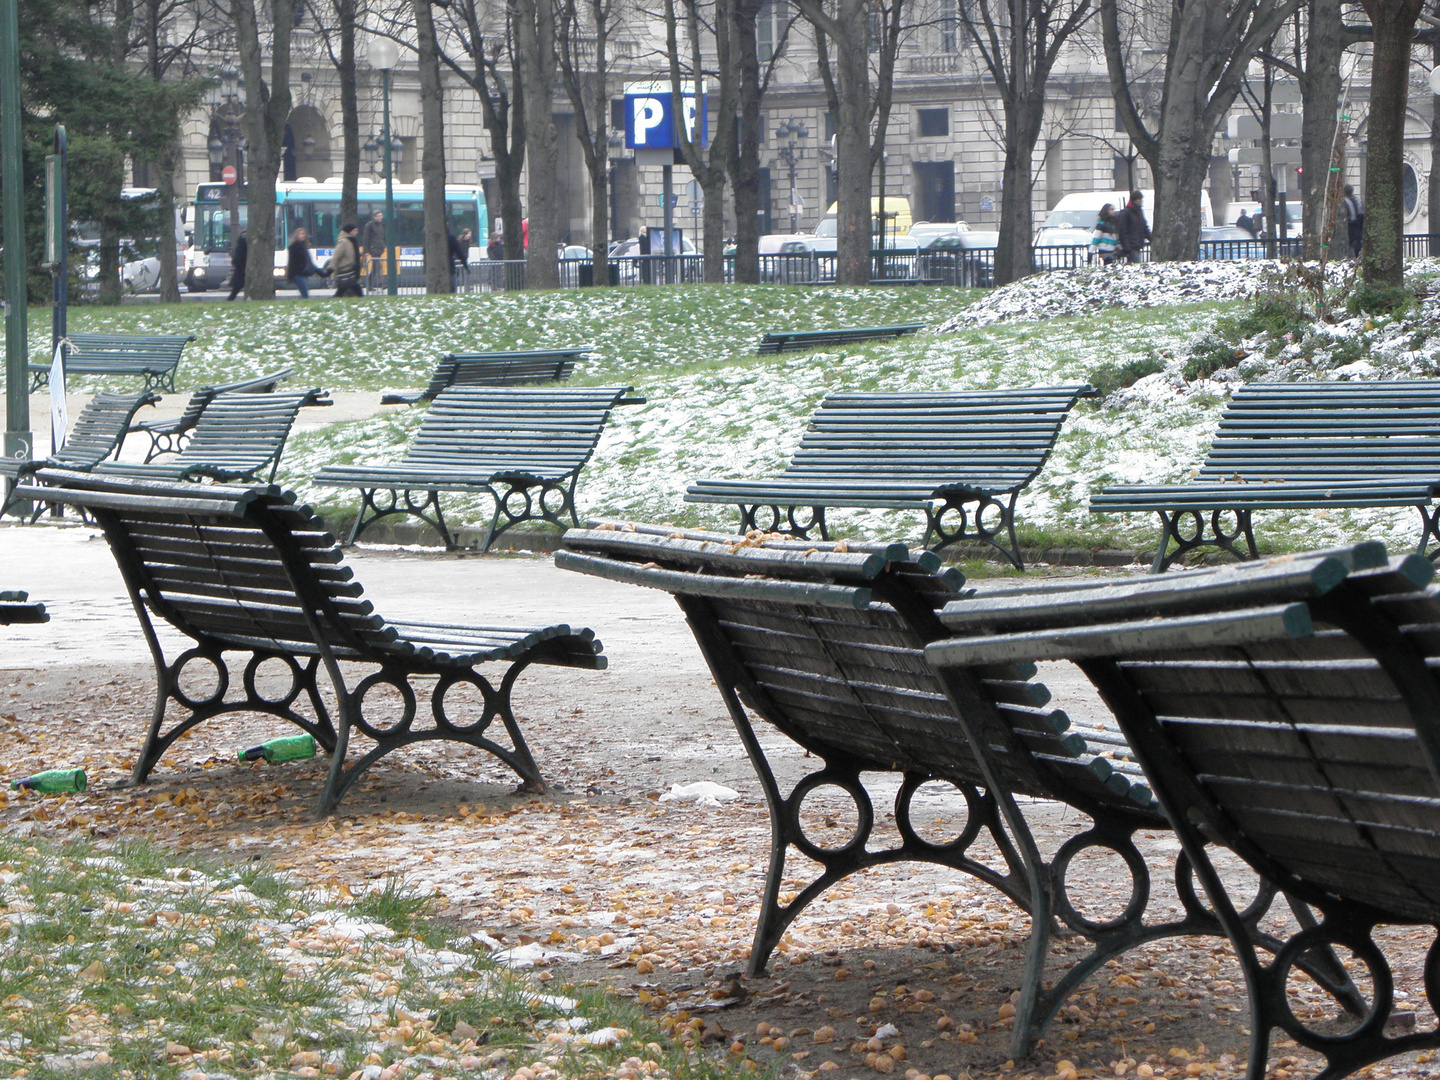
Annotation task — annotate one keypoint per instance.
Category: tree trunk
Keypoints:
(267, 107)
(744, 164)
(1382, 252)
(349, 115)
(1183, 165)
(166, 167)
(432, 158)
(536, 63)
(852, 144)
(1320, 88)
(1015, 253)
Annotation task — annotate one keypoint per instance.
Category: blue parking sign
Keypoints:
(648, 121)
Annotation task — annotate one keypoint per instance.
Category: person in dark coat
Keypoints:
(1246, 222)
(459, 258)
(1133, 231)
(345, 263)
(238, 257)
(299, 264)
(372, 243)
(1354, 220)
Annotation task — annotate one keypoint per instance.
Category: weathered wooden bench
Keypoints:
(237, 437)
(514, 368)
(97, 433)
(170, 436)
(778, 341)
(151, 356)
(17, 607)
(261, 588)
(523, 447)
(1298, 446)
(1296, 723)
(827, 646)
(910, 451)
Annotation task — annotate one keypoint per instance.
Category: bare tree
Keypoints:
(1210, 45)
(859, 107)
(751, 81)
(1382, 253)
(535, 69)
(267, 107)
(490, 53)
(338, 21)
(708, 169)
(590, 95)
(1018, 42)
(432, 158)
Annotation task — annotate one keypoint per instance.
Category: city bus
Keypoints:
(315, 206)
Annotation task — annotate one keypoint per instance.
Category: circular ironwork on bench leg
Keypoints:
(297, 679)
(974, 815)
(443, 685)
(1197, 908)
(802, 529)
(397, 680)
(1121, 845)
(1324, 937)
(222, 679)
(980, 525)
(553, 513)
(865, 813)
(1429, 532)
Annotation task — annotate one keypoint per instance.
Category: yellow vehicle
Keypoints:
(897, 223)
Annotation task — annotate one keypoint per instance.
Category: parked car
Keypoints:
(925, 233)
(966, 259)
(1230, 242)
(632, 268)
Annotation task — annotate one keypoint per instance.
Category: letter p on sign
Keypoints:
(649, 114)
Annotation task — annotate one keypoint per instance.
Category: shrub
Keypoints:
(1109, 377)
(1210, 354)
(1273, 313)
(1368, 299)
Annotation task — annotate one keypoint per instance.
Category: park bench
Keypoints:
(1298, 446)
(97, 433)
(909, 451)
(170, 436)
(152, 356)
(778, 341)
(825, 643)
(505, 442)
(512, 368)
(238, 437)
(261, 588)
(1296, 723)
(17, 607)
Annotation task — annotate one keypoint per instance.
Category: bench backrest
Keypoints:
(206, 394)
(1290, 707)
(827, 645)
(244, 433)
(163, 347)
(998, 439)
(226, 563)
(503, 368)
(555, 429)
(792, 340)
(100, 428)
(1328, 431)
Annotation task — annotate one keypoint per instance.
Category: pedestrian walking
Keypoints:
(345, 263)
(1354, 220)
(1105, 238)
(299, 263)
(495, 250)
(459, 260)
(239, 255)
(1246, 222)
(1132, 228)
(372, 242)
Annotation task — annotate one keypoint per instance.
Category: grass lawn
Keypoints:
(716, 409)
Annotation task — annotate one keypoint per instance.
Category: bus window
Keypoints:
(326, 225)
(411, 225)
(459, 216)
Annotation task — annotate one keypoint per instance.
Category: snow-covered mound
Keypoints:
(1076, 292)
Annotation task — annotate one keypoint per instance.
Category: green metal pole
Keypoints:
(18, 440)
(392, 235)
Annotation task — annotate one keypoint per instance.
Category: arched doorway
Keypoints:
(307, 145)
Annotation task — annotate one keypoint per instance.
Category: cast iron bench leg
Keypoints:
(1429, 530)
(785, 523)
(1218, 537)
(428, 510)
(1007, 544)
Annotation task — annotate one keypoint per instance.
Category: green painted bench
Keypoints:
(97, 433)
(524, 448)
(1298, 446)
(16, 607)
(827, 646)
(153, 357)
(778, 341)
(170, 436)
(911, 451)
(255, 581)
(514, 368)
(1294, 719)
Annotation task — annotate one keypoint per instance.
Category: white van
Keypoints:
(1074, 216)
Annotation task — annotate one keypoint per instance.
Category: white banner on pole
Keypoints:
(59, 419)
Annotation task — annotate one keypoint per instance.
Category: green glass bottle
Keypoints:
(52, 781)
(290, 748)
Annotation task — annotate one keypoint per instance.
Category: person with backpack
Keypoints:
(1132, 228)
(1354, 220)
(1105, 239)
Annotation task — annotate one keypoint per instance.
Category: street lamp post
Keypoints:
(790, 154)
(384, 55)
(227, 112)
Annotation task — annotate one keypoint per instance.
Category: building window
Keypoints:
(770, 27)
(949, 26)
(933, 123)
